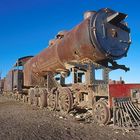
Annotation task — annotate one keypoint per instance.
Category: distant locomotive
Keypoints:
(100, 39)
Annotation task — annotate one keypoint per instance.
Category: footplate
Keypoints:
(125, 114)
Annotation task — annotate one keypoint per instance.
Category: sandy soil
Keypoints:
(20, 121)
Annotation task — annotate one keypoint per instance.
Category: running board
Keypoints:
(125, 114)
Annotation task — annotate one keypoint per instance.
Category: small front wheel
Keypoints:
(101, 112)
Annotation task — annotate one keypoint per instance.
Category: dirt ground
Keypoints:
(20, 121)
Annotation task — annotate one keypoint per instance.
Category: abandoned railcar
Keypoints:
(95, 44)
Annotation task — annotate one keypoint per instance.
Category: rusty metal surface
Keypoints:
(8, 84)
(75, 46)
(18, 80)
(21, 61)
(84, 42)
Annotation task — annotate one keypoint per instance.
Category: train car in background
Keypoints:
(120, 89)
(8, 84)
(14, 79)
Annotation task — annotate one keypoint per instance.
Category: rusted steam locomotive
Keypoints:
(93, 45)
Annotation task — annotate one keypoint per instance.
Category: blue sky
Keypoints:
(26, 26)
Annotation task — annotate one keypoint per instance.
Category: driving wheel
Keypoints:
(65, 100)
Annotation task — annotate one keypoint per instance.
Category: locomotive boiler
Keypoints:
(102, 37)
(93, 45)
